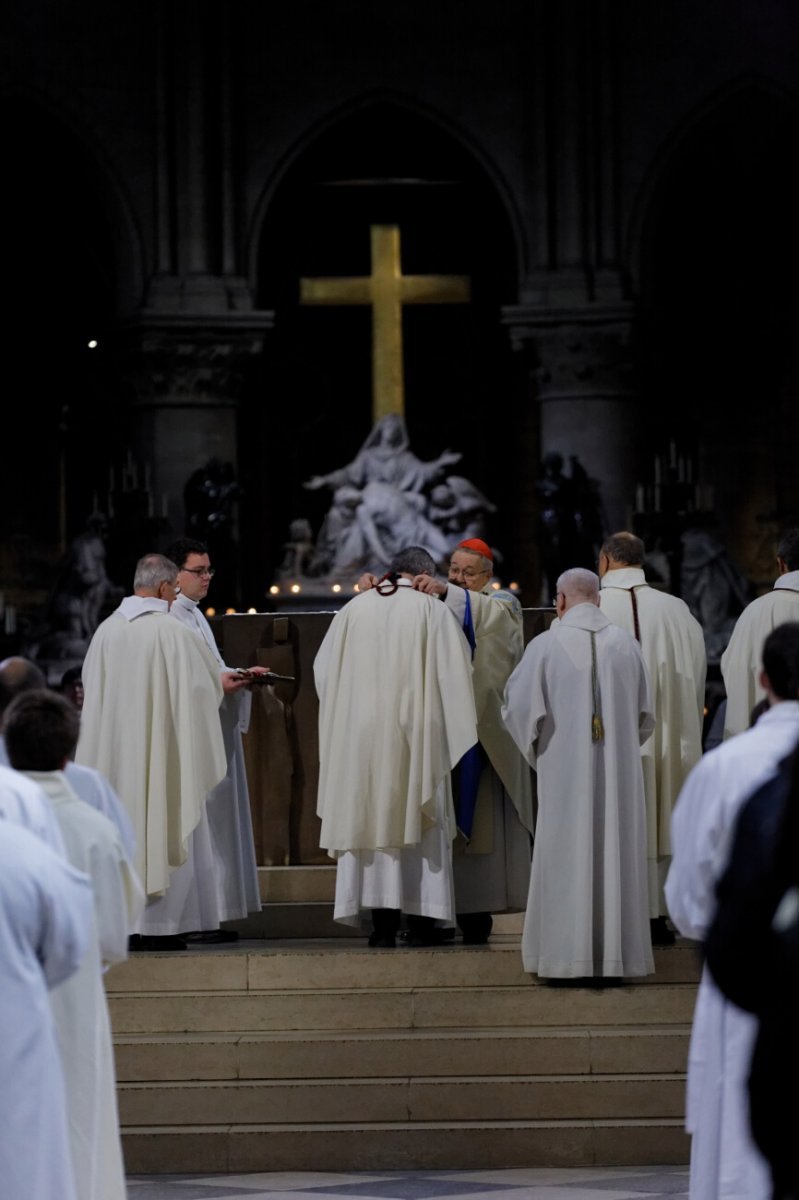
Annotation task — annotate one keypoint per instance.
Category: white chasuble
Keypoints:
(587, 911)
(742, 661)
(150, 725)
(396, 713)
(673, 647)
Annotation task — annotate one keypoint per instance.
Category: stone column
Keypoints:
(187, 374)
(581, 381)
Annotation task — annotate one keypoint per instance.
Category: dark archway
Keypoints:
(720, 254)
(63, 401)
(309, 408)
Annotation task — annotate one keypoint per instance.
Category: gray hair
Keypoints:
(578, 583)
(152, 570)
(788, 549)
(413, 560)
(624, 548)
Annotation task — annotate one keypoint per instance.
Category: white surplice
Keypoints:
(45, 928)
(23, 802)
(587, 912)
(725, 1163)
(492, 873)
(742, 661)
(94, 846)
(89, 785)
(673, 647)
(150, 725)
(396, 713)
(225, 887)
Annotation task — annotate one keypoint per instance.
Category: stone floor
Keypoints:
(589, 1183)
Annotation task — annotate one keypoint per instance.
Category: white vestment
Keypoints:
(45, 927)
(587, 912)
(90, 786)
(79, 1005)
(673, 647)
(150, 724)
(742, 661)
(492, 874)
(23, 802)
(219, 881)
(396, 713)
(725, 1163)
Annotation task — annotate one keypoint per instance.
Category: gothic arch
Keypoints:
(713, 113)
(396, 101)
(66, 126)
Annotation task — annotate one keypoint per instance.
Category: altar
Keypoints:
(281, 747)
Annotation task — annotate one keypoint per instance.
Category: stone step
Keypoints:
(467, 1145)
(404, 1099)
(446, 1052)
(399, 1008)
(309, 966)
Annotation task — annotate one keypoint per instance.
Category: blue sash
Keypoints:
(470, 767)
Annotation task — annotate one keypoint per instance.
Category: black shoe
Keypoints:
(212, 937)
(423, 931)
(660, 933)
(382, 941)
(385, 923)
(150, 942)
(475, 927)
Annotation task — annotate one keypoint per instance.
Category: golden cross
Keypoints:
(386, 290)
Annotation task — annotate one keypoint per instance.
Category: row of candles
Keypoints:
(129, 476)
(674, 470)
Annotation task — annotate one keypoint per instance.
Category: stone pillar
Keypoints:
(581, 380)
(187, 374)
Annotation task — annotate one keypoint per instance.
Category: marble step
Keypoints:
(308, 966)
(399, 1008)
(298, 903)
(472, 1145)
(147, 1057)
(401, 1099)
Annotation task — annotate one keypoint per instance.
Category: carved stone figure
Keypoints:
(382, 501)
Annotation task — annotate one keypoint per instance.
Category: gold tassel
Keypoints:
(597, 728)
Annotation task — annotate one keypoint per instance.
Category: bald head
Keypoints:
(18, 675)
(576, 586)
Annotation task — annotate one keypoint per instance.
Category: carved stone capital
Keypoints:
(192, 360)
(574, 352)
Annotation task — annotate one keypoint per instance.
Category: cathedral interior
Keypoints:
(613, 179)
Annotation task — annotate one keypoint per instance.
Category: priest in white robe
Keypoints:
(41, 733)
(396, 713)
(219, 881)
(45, 927)
(150, 724)
(18, 675)
(23, 802)
(673, 647)
(741, 661)
(492, 860)
(578, 706)
(725, 1163)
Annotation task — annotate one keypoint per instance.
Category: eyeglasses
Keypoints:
(466, 573)
(198, 571)
(555, 599)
